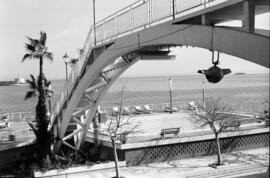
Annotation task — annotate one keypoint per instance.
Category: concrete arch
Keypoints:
(248, 46)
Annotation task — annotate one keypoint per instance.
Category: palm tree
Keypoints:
(37, 49)
(33, 90)
(33, 86)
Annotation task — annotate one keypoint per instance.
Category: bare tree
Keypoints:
(264, 115)
(217, 115)
(118, 128)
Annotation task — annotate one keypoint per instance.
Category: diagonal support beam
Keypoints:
(72, 134)
(91, 113)
(69, 145)
(104, 77)
(90, 99)
(81, 110)
(96, 86)
(115, 67)
(78, 121)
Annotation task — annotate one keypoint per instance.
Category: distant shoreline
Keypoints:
(172, 75)
(186, 75)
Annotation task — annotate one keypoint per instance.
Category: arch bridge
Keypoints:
(146, 30)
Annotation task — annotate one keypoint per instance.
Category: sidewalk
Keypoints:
(237, 164)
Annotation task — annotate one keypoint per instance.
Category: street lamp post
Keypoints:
(49, 95)
(94, 19)
(170, 84)
(173, 8)
(65, 57)
(203, 93)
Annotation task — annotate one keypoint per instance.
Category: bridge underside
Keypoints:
(107, 61)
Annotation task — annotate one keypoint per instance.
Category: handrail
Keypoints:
(120, 11)
(115, 32)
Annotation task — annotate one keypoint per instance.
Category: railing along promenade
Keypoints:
(15, 134)
(10, 138)
(138, 16)
(26, 135)
(19, 116)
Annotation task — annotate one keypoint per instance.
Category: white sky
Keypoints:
(67, 23)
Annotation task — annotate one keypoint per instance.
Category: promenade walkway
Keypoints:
(150, 126)
(237, 164)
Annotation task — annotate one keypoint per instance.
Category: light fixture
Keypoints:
(215, 74)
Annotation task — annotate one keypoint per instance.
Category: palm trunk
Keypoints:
(41, 82)
(41, 106)
(219, 161)
(115, 159)
(43, 137)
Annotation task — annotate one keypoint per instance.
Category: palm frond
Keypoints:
(32, 83)
(26, 56)
(29, 47)
(30, 94)
(47, 83)
(48, 55)
(36, 55)
(43, 38)
(33, 128)
(33, 42)
(33, 78)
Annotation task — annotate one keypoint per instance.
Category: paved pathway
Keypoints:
(241, 163)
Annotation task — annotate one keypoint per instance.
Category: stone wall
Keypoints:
(193, 149)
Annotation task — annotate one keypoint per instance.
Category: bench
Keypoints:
(234, 126)
(174, 131)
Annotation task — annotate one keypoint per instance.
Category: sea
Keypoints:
(244, 92)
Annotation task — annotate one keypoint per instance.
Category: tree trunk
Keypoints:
(115, 159)
(219, 161)
(43, 137)
(96, 130)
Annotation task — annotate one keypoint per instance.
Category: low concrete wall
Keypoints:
(185, 147)
(10, 158)
(73, 170)
(190, 149)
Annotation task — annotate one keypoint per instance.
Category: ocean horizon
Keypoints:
(244, 89)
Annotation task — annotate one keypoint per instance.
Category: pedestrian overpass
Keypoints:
(146, 30)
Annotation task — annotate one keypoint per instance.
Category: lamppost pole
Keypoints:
(66, 72)
(203, 94)
(94, 19)
(170, 84)
(173, 8)
(49, 95)
(65, 57)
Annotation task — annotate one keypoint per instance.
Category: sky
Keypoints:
(67, 23)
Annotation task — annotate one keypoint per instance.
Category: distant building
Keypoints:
(19, 80)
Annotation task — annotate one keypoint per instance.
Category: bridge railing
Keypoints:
(144, 14)
(138, 16)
